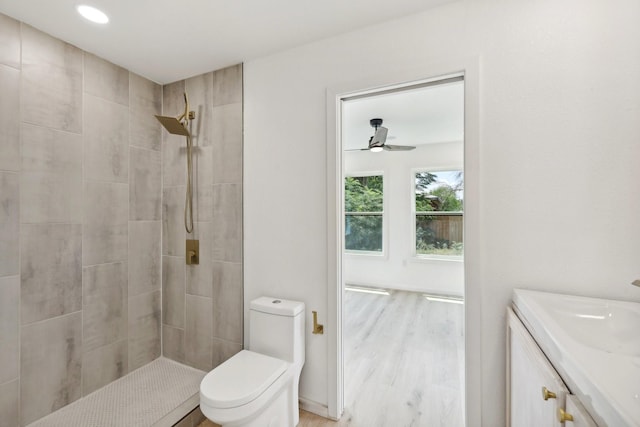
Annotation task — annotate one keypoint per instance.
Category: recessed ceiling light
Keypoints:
(92, 14)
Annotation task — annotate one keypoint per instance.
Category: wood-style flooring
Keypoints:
(404, 363)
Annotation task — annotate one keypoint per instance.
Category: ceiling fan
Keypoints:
(377, 141)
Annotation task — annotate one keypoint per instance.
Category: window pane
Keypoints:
(363, 232)
(439, 234)
(363, 207)
(439, 205)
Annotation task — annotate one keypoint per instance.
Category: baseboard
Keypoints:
(314, 407)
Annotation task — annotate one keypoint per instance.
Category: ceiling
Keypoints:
(428, 115)
(167, 40)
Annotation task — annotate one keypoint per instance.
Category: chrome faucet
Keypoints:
(636, 282)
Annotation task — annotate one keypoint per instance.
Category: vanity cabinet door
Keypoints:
(529, 373)
(581, 417)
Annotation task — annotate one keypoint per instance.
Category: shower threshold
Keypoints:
(158, 394)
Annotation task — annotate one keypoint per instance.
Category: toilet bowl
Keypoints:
(259, 387)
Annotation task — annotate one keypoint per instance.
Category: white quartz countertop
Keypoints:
(594, 344)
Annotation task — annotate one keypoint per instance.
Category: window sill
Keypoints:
(365, 254)
(438, 258)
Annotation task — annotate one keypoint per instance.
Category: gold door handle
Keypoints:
(547, 394)
(564, 416)
(317, 329)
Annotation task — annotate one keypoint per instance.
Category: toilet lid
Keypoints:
(240, 379)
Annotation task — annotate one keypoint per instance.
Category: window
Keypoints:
(363, 206)
(439, 213)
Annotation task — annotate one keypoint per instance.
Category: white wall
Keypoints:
(398, 268)
(559, 150)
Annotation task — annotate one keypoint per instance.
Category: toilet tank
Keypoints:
(276, 328)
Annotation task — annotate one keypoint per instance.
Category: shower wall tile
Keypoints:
(200, 91)
(222, 351)
(106, 213)
(227, 85)
(51, 178)
(145, 184)
(50, 365)
(10, 403)
(9, 223)
(51, 92)
(145, 101)
(174, 160)
(202, 178)
(173, 231)
(50, 272)
(173, 291)
(200, 277)
(173, 99)
(9, 328)
(9, 41)
(227, 297)
(173, 343)
(227, 223)
(145, 267)
(9, 126)
(144, 328)
(105, 80)
(106, 140)
(198, 348)
(104, 365)
(104, 305)
(227, 144)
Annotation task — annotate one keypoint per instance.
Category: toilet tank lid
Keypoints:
(279, 306)
(240, 379)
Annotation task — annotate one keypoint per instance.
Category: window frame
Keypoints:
(415, 256)
(383, 254)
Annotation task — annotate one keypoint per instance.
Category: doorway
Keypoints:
(401, 263)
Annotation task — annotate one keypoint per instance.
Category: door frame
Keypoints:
(470, 69)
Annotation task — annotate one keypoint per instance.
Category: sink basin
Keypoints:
(610, 326)
(595, 346)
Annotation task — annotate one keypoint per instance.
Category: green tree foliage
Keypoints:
(363, 194)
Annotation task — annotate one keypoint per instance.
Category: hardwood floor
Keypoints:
(404, 363)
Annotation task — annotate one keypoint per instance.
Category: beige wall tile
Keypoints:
(227, 85)
(173, 291)
(145, 265)
(227, 301)
(9, 223)
(106, 140)
(51, 91)
(144, 329)
(173, 231)
(51, 177)
(9, 123)
(197, 345)
(173, 343)
(227, 144)
(227, 223)
(9, 328)
(104, 304)
(145, 184)
(105, 80)
(50, 365)
(200, 277)
(51, 271)
(104, 237)
(200, 91)
(145, 101)
(223, 350)
(104, 365)
(10, 403)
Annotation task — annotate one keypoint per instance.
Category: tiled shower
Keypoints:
(93, 281)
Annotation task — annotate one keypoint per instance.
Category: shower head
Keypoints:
(173, 125)
(178, 126)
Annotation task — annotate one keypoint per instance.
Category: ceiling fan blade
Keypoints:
(398, 147)
(357, 149)
(379, 138)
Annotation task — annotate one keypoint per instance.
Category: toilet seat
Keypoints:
(240, 379)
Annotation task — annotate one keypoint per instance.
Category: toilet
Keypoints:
(258, 387)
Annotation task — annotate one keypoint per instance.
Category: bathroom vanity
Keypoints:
(572, 361)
